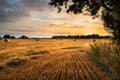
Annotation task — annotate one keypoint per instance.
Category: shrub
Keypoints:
(106, 56)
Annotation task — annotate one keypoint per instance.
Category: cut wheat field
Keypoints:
(47, 60)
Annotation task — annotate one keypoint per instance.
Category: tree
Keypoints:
(0, 38)
(13, 37)
(110, 10)
(23, 37)
(6, 36)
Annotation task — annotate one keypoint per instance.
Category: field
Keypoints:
(47, 59)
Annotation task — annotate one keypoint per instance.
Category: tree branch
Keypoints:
(102, 2)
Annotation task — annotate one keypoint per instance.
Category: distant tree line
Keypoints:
(0, 37)
(7, 36)
(24, 37)
(93, 36)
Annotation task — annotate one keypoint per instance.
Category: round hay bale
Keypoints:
(94, 40)
(6, 40)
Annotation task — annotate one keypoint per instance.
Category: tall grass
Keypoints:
(106, 56)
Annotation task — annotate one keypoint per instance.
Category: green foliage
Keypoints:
(106, 56)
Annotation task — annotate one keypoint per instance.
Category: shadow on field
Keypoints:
(1, 67)
(31, 52)
(72, 47)
(14, 62)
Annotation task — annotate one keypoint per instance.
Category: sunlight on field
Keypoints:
(52, 45)
(46, 59)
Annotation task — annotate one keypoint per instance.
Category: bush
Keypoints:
(106, 56)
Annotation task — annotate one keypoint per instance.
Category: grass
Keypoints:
(106, 56)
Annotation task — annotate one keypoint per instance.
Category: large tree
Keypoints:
(110, 11)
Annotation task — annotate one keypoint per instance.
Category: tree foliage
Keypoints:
(6, 36)
(92, 36)
(110, 10)
(0, 38)
(23, 37)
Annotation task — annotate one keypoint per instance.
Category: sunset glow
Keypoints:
(37, 18)
(89, 33)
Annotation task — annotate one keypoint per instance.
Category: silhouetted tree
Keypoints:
(110, 10)
(93, 36)
(0, 37)
(13, 37)
(23, 37)
(6, 36)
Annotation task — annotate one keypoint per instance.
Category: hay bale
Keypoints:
(6, 40)
(94, 40)
(74, 40)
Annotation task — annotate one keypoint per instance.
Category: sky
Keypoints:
(35, 18)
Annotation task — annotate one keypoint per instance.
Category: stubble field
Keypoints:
(47, 59)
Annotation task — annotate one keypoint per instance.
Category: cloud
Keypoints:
(37, 17)
(22, 30)
(39, 5)
(12, 10)
(66, 25)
